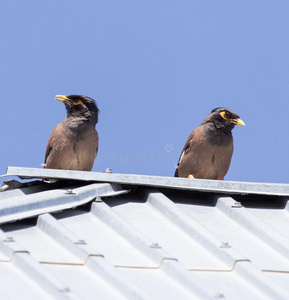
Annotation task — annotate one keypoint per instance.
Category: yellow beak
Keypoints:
(61, 98)
(238, 122)
(64, 99)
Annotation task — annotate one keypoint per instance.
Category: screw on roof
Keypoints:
(70, 192)
(9, 239)
(237, 205)
(155, 246)
(225, 245)
(80, 242)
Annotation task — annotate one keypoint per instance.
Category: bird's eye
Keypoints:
(77, 102)
(225, 115)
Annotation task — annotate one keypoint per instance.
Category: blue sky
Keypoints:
(156, 69)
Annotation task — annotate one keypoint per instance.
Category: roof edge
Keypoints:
(201, 185)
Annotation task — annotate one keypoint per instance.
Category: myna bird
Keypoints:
(73, 144)
(208, 151)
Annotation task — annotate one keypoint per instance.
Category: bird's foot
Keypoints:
(191, 176)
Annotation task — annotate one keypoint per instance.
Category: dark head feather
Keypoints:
(87, 109)
(225, 122)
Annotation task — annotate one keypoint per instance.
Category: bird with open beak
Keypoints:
(73, 144)
(208, 151)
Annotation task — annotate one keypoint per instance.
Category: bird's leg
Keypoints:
(191, 176)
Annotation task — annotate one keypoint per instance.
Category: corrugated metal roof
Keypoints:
(118, 236)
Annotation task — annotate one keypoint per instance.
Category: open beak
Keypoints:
(63, 98)
(238, 122)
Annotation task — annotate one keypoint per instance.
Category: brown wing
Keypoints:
(203, 158)
(56, 148)
(185, 150)
(49, 146)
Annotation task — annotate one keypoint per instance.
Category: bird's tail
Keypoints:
(176, 173)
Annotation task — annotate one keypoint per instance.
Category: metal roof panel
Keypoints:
(121, 236)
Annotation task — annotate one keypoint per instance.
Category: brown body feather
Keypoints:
(204, 158)
(73, 144)
(71, 151)
(209, 148)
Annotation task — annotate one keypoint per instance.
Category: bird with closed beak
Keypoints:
(73, 144)
(208, 151)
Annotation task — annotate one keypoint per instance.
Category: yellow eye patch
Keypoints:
(223, 114)
(79, 102)
(237, 121)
